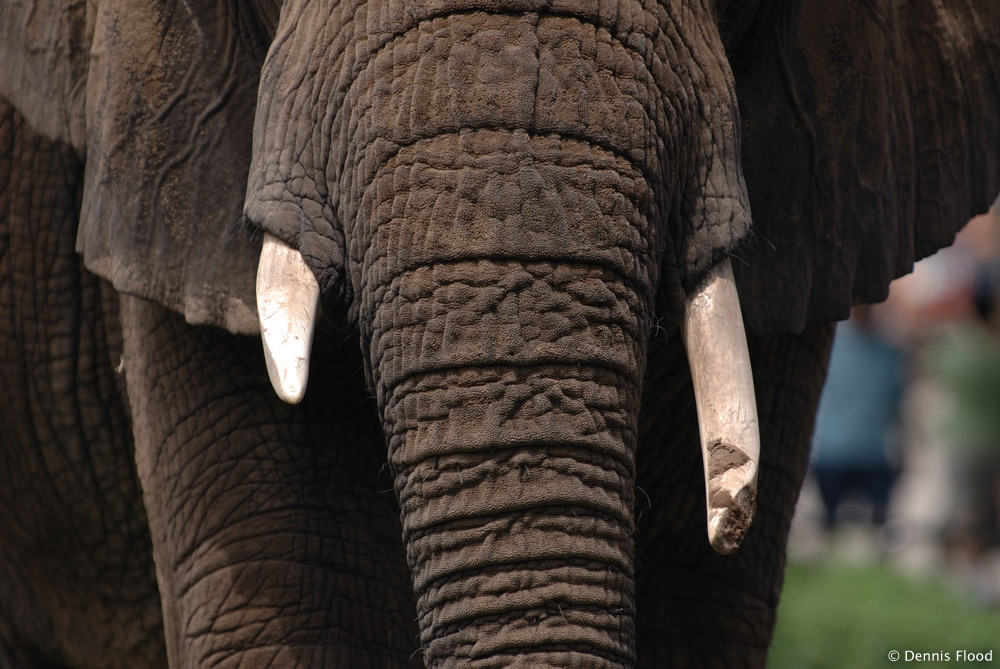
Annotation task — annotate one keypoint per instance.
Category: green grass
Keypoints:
(836, 616)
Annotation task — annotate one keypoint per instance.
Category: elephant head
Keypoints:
(482, 194)
(501, 201)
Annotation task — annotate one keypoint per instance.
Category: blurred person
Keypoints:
(965, 361)
(853, 453)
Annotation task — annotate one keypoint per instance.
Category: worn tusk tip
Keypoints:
(289, 380)
(729, 519)
(291, 393)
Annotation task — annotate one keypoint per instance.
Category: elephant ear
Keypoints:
(171, 89)
(871, 134)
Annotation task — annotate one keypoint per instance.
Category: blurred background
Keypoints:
(896, 539)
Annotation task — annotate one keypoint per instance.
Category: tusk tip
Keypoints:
(289, 380)
(730, 518)
(291, 394)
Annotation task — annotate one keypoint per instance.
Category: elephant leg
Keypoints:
(77, 586)
(276, 542)
(698, 608)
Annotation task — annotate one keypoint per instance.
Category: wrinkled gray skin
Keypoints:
(505, 204)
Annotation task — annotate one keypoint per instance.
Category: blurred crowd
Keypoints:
(907, 440)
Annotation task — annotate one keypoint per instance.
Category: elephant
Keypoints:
(367, 333)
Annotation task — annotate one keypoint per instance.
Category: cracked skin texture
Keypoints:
(75, 556)
(417, 95)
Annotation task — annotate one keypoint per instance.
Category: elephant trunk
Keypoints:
(511, 430)
(505, 307)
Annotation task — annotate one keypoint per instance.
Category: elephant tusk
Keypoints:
(716, 346)
(287, 303)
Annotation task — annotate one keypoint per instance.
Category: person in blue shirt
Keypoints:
(858, 413)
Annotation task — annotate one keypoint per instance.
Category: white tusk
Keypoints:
(727, 409)
(287, 303)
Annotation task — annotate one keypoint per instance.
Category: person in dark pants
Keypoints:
(858, 412)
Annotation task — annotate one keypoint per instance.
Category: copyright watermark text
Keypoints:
(959, 655)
